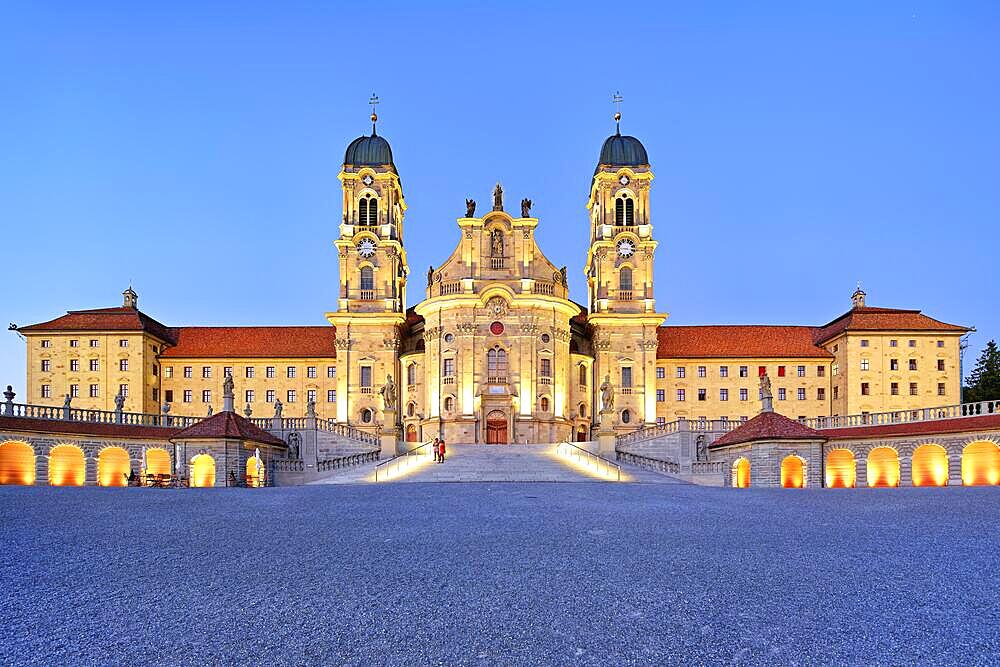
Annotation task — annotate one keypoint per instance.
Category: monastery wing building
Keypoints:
(496, 352)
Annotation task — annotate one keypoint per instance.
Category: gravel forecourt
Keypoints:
(494, 573)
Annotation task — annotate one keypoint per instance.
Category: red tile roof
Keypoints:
(227, 425)
(768, 426)
(738, 341)
(959, 425)
(868, 318)
(28, 424)
(260, 342)
(121, 318)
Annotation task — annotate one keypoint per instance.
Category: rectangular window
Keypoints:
(248, 394)
(168, 372)
(864, 342)
(821, 371)
(331, 395)
(836, 392)
(123, 364)
(188, 372)
(310, 371)
(269, 396)
(250, 372)
(702, 394)
(95, 390)
(206, 371)
(46, 365)
(366, 375)
(156, 350)
(723, 394)
(188, 396)
(546, 368)
(46, 391)
(123, 390)
(702, 371)
(801, 394)
(835, 368)
(865, 389)
(681, 372)
(941, 389)
(940, 364)
(913, 389)
(168, 395)
(781, 371)
(449, 367)
(123, 342)
(680, 395)
(744, 395)
(894, 364)
(781, 394)
(761, 370)
(290, 372)
(723, 371)
(311, 395)
(940, 343)
(206, 395)
(76, 343)
(744, 371)
(864, 364)
(331, 371)
(661, 395)
(913, 343)
(156, 395)
(94, 342)
(894, 389)
(660, 421)
(269, 372)
(892, 343)
(626, 376)
(913, 364)
(661, 372)
(801, 371)
(74, 365)
(821, 394)
(291, 395)
(46, 343)
(156, 370)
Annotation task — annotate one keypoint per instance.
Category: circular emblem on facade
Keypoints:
(545, 338)
(449, 337)
(366, 248)
(624, 179)
(496, 328)
(626, 248)
(368, 180)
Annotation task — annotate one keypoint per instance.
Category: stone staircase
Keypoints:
(494, 463)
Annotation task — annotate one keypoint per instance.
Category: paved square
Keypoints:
(585, 573)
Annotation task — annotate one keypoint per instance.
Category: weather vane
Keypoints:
(374, 102)
(617, 100)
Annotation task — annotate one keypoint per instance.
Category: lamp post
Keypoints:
(963, 343)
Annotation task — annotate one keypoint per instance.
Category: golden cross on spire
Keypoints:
(373, 101)
(617, 100)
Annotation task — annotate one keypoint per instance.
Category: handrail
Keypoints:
(649, 462)
(398, 460)
(571, 450)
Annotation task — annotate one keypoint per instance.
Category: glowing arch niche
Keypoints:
(841, 469)
(981, 464)
(17, 463)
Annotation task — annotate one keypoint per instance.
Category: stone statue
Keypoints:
(388, 392)
(701, 448)
(562, 272)
(470, 208)
(166, 408)
(607, 395)
(765, 386)
(259, 465)
(210, 411)
(119, 402)
(310, 407)
(498, 198)
(68, 400)
(430, 276)
(277, 408)
(248, 411)
(525, 208)
(496, 243)
(228, 385)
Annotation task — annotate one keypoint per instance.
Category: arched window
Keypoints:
(449, 403)
(496, 363)
(367, 278)
(411, 374)
(366, 416)
(626, 416)
(629, 211)
(368, 210)
(624, 211)
(583, 411)
(410, 409)
(362, 211)
(620, 211)
(625, 279)
(583, 375)
(544, 404)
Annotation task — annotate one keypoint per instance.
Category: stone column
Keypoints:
(389, 437)
(860, 471)
(606, 435)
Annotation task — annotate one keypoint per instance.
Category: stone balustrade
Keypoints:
(649, 463)
(906, 416)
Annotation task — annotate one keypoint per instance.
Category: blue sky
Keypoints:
(192, 149)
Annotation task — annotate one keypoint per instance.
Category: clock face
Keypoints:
(366, 248)
(626, 248)
(623, 180)
(368, 180)
(496, 328)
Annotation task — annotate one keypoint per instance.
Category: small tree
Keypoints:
(984, 380)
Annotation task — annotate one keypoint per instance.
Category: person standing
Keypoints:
(436, 448)
(441, 450)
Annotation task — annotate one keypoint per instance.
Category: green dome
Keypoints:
(370, 151)
(623, 151)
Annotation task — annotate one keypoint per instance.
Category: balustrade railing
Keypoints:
(708, 467)
(544, 288)
(348, 461)
(10, 409)
(454, 287)
(498, 262)
(649, 463)
(960, 411)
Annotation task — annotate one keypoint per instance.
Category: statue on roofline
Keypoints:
(498, 198)
(525, 208)
(470, 208)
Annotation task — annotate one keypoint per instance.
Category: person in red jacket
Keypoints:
(441, 451)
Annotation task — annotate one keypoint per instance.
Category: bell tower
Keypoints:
(371, 302)
(619, 272)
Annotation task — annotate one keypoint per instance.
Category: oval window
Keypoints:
(366, 416)
(545, 338)
(626, 416)
(449, 337)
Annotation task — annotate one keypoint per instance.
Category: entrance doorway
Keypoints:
(496, 428)
(411, 433)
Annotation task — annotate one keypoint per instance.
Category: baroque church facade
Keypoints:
(496, 352)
